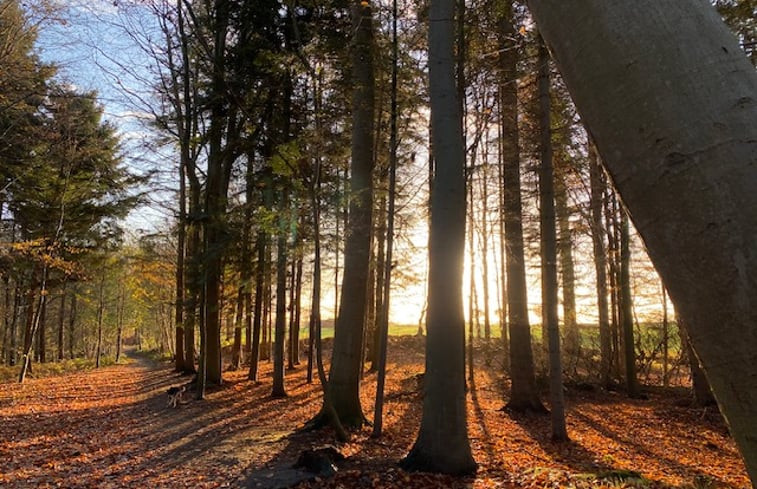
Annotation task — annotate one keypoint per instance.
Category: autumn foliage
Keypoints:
(111, 428)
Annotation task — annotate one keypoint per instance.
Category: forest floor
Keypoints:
(112, 428)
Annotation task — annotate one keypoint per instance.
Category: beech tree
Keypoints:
(671, 101)
(442, 444)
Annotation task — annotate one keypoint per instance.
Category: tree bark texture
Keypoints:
(344, 376)
(442, 444)
(671, 101)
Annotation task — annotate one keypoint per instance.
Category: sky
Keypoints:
(94, 43)
(87, 41)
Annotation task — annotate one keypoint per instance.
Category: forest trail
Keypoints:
(111, 428)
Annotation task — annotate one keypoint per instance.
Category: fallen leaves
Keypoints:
(111, 428)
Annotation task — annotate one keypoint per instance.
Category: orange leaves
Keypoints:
(110, 428)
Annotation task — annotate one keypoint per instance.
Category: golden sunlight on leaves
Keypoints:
(54, 434)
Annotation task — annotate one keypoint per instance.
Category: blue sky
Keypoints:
(88, 40)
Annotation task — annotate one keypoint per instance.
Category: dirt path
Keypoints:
(111, 428)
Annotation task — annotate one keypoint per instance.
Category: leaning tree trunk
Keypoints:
(442, 444)
(683, 158)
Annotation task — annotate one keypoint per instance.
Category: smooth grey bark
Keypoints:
(344, 375)
(671, 101)
(700, 388)
(442, 444)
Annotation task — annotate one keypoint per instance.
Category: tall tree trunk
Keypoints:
(61, 320)
(215, 198)
(549, 250)
(28, 332)
(344, 378)
(257, 316)
(689, 152)
(179, 278)
(41, 350)
(442, 444)
(380, 264)
(470, 357)
(296, 312)
(626, 309)
(382, 329)
(120, 323)
(600, 266)
(281, 296)
(100, 317)
(10, 319)
(613, 250)
(523, 395)
(665, 338)
(72, 323)
(485, 259)
(236, 348)
(565, 247)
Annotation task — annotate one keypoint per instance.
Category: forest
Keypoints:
(378, 243)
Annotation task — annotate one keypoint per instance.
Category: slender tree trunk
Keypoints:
(61, 320)
(485, 259)
(565, 247)
(626, 309)
(549, 250)
(180, 254)
(28, 333)
(120, 322)
(379, 277)
(281, 294)
(471, 284)
(613, 246)
(236, 349)
(100, 317)
(10, 321)
(600, 267)
(257, 317)
(72, 324)
(297, 312)
(442, 444)
(665, 337)
(523, 395)
(383, 314)
(42, 333)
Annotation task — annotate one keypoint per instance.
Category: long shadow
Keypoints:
(583, 460)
